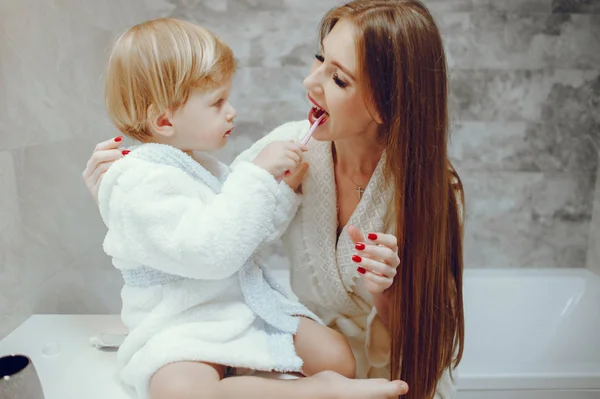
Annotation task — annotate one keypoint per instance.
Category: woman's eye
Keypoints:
(319, 57)
(339, 81)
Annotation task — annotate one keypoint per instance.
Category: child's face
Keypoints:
(205, 121)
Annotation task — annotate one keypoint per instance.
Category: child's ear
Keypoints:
(160, 123)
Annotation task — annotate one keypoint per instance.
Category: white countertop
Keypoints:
(67, 365)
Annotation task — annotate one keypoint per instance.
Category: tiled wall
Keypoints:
(593, 253)
(525, 96)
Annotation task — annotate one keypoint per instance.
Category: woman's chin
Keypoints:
(322, 133)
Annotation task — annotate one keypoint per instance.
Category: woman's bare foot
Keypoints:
(346, 388)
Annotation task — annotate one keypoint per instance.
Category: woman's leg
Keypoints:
(322, 348)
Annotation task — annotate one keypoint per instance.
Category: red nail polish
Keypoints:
(125, 152)
(359, 246)
(118, 139)
(361, 270)
(372, 236)
(356, 258)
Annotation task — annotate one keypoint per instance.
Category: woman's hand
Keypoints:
(103, 156)
(376, 259)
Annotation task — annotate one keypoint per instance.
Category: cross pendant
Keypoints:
(360, 192)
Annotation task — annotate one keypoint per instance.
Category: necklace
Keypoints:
(359, 188)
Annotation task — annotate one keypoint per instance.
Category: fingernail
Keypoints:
(361, 270)
(356, 258)
(125, 152)
(372, 236)
(118, 139)
(359, 246)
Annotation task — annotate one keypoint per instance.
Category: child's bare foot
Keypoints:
(346, 388)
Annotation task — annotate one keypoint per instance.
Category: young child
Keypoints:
(187, 233)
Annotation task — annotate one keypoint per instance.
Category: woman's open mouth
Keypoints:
(315, 113)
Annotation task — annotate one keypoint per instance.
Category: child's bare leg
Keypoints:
(322, 348)
(187, 380)
(325, 385)
(191, 380)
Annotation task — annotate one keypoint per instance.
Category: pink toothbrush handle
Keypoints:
(306, 138)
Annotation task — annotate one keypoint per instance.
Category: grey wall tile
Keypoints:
(518, 219)
(515, 95)
(576, 6)
(518, 6)
(14, 297)
(525, 41)
(593, 251)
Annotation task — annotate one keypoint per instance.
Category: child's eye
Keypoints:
(219, 103)
(320, 58)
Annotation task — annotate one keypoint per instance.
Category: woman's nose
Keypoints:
(312, 81)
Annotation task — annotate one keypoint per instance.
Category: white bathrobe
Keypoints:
(323, 275)
(188, 237)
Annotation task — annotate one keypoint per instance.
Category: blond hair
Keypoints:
(154, 65)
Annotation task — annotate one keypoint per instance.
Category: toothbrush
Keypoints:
(307, 137)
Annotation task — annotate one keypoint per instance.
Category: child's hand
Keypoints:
(295, 179)
(280, 156)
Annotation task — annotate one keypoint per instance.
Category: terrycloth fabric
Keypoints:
(188, 236)
(323, 275)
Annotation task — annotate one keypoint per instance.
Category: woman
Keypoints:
(378, 166)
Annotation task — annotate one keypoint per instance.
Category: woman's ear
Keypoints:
(377, 118)
(160, 123)
(372, 109)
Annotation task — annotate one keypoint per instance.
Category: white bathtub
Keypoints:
(531, 334)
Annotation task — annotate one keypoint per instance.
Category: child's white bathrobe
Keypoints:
(187, 237)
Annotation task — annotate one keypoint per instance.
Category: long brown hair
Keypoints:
(403, 67)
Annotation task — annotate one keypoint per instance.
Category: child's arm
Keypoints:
(288, 200)
(156, 218)
(288, 203)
